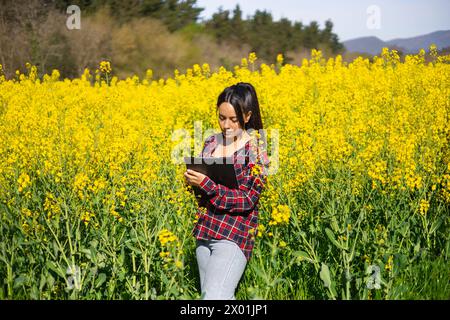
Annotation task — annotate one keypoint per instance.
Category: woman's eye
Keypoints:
(233, 120)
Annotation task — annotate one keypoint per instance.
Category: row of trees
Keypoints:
(269, 37)
(175, 14)
(136, 35)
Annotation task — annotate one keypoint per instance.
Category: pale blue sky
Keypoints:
(398, 18)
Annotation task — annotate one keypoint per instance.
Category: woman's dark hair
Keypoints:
(242, 96)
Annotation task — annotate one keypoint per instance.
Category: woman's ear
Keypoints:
(247, 117)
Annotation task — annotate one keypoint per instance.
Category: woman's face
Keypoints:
(229, 122)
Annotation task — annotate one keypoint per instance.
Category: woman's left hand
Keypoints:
(194, 178)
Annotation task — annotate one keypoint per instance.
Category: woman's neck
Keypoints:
(236, 140)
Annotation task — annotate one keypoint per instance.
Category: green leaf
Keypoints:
(436, 224)
(20, 280)
(50, 281)
(358, 283)
(134, 249)
(100, 280)
(94, 243)
(334, 224)
(330, 235)
(121, 257)
(87, 252)
(327, 280)
(364, 237)
(42, 282)
(325, 275)
(55, 248)
(302, 255)
(52, 266)
(164, 279)
(34, 292)
(417, 247)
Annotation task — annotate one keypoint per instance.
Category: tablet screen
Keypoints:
(218, 169)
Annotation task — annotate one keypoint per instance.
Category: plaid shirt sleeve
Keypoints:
(246, 197)
(201, 201)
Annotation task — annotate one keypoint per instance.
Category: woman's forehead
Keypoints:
(226, 109)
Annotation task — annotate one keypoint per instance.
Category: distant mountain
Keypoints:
(373, 45)
(440, 38)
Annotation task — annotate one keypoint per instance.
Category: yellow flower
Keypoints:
(206, 70)
(390, 264)
(55, 75)
(26, 227)
(433, 50)
(423, 207)
(24, 181)
(80, 183)
(27, 212)
(366, 259)
(260, 230)
(81, 180)
(105, 67)
(165, 237)
(86, 217)
(256, 170)
(149, 74)
(116, 215)
(164, 254)
(280, 215)
(280, 58)
(51, 205)
(252, 57)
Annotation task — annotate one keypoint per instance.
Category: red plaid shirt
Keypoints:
(233, 213)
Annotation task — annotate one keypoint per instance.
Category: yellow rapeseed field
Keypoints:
(360, 176)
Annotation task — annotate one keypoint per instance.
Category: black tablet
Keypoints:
(218, 169)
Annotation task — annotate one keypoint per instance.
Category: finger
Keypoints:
(195, 173)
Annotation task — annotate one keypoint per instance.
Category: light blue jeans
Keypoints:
(221, 264)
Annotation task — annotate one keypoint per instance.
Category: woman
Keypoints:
(225, 231)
